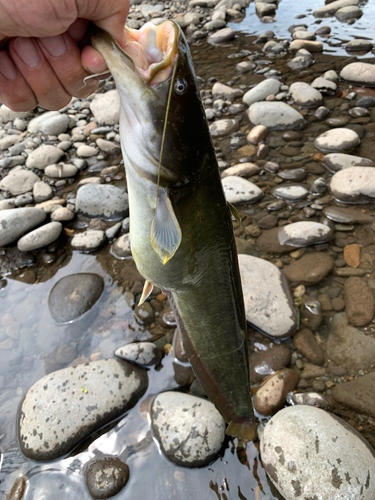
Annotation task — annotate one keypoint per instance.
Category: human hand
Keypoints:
(44, 63)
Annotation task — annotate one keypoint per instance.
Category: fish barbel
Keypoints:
(180, 223)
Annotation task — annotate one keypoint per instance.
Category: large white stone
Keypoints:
(337, 140)
(338, 161)
(261, 91)
(268, 302)
(223, 127)
(305, 95)
(359, 72)
(103, 201)
(40, 237)
(16, 221)
(19, 182)
(51, 122)
(309, 453)
(106, 108)
(275, 115)
(221, 90)
(239, 190)
(43, 156)
(304, 233)
(8, 115)
(354, 185)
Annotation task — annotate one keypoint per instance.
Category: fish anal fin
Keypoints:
(242, 430)
(147, 290)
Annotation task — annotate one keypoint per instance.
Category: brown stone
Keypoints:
(268, 242)
(338, 304)
(352, 255)
(359, 300)
(310, 269)
(358, 395)
(312, 371)
(263, 363)
(247, 151)
(307, 345)
(272, 393)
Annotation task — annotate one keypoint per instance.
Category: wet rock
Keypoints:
(226, 92)
(290, 192)
(268, 359)
(121, 248)
(303, 35)
(275, 115)
(241, 170)
(310, 269)
(18, 489)
(268, 242)
(224, 35)
(73, 295)
(359, 44)
(348, 13)
(223, 127)
(19, 182)
(357, 395)
(305, 95)
(61, 170)
(244, 67)
(305, 233)
(310, 453)
(88, 241)
(332, 7)
(106, 476)
(49, 123)
(106, 108)
(141, 353)
(271, 395)
(354, 184)
(359, 72)
(307, 45)
(338, 161)
(257, 134)
(145, 313)
(307, 345)
(344, 215)
(337, 140)
(43, 156)
(352, 255)
(15, 222)
(349, 347)
(310, 399)
(239, 190)
(311, 314)
(91, 394)
(40, 237)
(102, 201)
(189, 429)
(268, 303)
(321, 112)
(261, 91)
(108, 146)
(324, 85)
(359, 300)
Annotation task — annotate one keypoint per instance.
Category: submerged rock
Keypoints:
(344, 215)
(338, 161)
(358, 394)
(106, 476)
(66, 406)
(310, 453)
(310, 269)
(337, 140)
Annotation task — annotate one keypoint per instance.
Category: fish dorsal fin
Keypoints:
(165, 230)
(234, 213)
(147, 290)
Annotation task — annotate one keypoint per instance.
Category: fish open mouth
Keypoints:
(153, 50)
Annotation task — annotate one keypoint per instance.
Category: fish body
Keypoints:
(180, 223)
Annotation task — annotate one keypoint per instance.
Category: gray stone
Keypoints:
(106, 476)
(268, 302)
(121, 248)
(19, 182)
(332, 7)
(112, 231)
(24, 199)
(354, 185)
(359, 44)
(88, 241)
(239, 190)
(344, 215)
(337, 140)
(312, 454)
(303, 35)
(226, 92)
(305, 95)
(40, 237)
(8, 141)
(290, 192)
(73, 295)
(338, 161)
(50, 123)
(106, 108)
(275, 115)
(304, 233)
(62, 214)
(189, 429)
(261, 91)
(86, 151)
(265, 9)
(359, 72)
(108, 146)
(42, 192)
(348, 13)
(15, 222)
(324, 85)
(64, 407)
(43, 156)
(224, 127)
(224, 35)
(61, 170)
(141, 353)
(8, 204)
(102, 201)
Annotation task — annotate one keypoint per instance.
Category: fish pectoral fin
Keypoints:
(234, 213)
(147, 290)
(165, 230)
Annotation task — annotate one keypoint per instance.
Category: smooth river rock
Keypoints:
(64, 407)
(268, 302)
(305, 95)
(141, 353)
(106, 108)
(189, 429)
(106, 476)
(17, 221)
(332, 7)
(359, 72)
(43, 156)
(275, 115)
(19, 182)
(359, 301)
(334, 162)
(239, 190)
(102, 201)
(344, 215)
(40, 237)
(261, 91)
(337, 140)
(310, 269)
(311, 454)
(354, 185)
(304, 233)
(357, 395)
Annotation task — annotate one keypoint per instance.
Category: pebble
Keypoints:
(43, 156)
(88, 241)
(62, 214)
(269, 358)
(310, 453)
(141, 353)
(18, 489)
(309, 45)
(42, 192)
(61, 170)
(106, 108)
(106, 476)
(331, 8)
(360, 73)
(40, 237)
(310, 399)
(145, 313)
(8, 141)
(359, 301)
(305, 95)
(268, 302)
(226, 92)
(242, 169)
(267, 87)
(324, 85)
(121, 248)
(349, 347)
(19, 182)
(352, 255)
(271, 395)
(354, 185)
(348, 13)
(220, 128)
(86, 151)
(93, 394)
(338, 161)
(189, 429)
(347, 215)
(305, 233)
(239, 190)
(357, 395)
(337, 140)
(17, 221)
(307, 345)
(224, 35)
(49, 123)
(290, 192)
(102, 201)
(73, 295)
(310, 269)
(275, 115)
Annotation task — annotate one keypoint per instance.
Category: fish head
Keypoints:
(162, 118)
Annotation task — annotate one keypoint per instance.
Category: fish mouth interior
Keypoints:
(153, 50)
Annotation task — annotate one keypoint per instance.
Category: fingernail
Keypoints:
(55, 45)
(7, 67)
(27, 51)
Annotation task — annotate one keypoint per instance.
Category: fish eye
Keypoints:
(180, 86)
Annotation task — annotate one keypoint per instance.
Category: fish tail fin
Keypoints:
(243, 430)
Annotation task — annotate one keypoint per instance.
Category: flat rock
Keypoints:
(309, 45)
(224, 35)
(106, 108)
(349, 347)
(354, 185)
(106, 476)
(17, 221)
(40, 237)
(102, 201)
(305, 95)
(312, 454)
(88, 241)
(359, 44)
(268, 303)
(268, 242)
(360, 73)
(344, 215)
(226, 92)
(290, 192)
(359, 301)
(310, 269)
(73, 295)
(337, 140)
(304, 233)
(239, 190)
(19, 182)
(189, 429)
(141, 353)
(261, 91)
(241, 170)
(64, 407)
(357, 395)
(348, 13)
(330, 9)
(223, 127)
(275, 115)
(43, 156)
(334, 162)
(49, 123)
